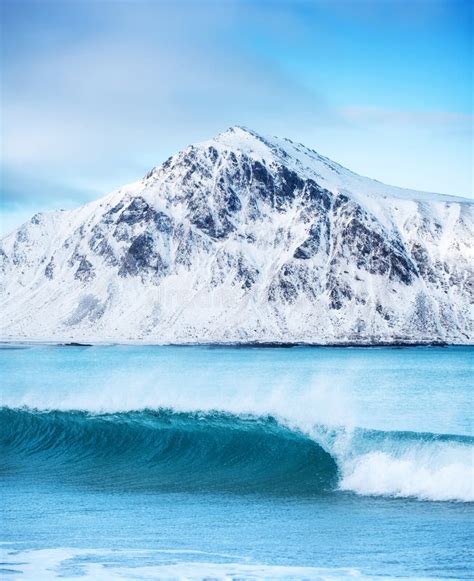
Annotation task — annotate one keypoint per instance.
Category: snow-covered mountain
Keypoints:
(244, 238)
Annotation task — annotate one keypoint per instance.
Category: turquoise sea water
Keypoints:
(133, 462)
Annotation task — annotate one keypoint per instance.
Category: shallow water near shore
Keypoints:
(145, 462)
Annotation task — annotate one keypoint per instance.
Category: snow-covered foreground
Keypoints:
(244, 238)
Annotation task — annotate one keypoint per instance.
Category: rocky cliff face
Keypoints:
(244, 238)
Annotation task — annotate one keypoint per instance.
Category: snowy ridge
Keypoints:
(244, 238)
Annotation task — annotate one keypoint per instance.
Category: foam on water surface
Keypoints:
(70, 564)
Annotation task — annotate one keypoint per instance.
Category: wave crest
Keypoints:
(207, 451)
(164, 450)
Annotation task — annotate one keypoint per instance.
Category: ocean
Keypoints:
(204, 462)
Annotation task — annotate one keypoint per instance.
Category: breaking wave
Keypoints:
(208, 451)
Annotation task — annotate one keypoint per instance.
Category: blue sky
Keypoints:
(96, 92)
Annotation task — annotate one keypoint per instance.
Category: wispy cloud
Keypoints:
(428, 119)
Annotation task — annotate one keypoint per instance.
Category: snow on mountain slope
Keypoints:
(244, 238)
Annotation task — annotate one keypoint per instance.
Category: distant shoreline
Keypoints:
(231, 345)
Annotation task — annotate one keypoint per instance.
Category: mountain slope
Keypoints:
(244, 238)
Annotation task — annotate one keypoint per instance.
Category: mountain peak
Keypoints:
(239, 130)
(239, 136)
